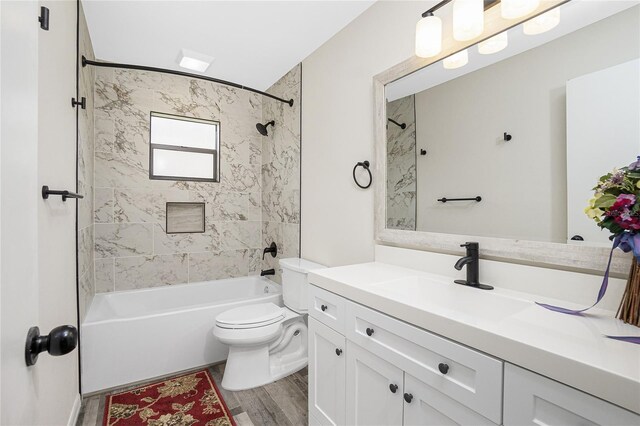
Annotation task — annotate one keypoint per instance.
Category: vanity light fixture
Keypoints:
(457, 60)
(542, 23)
(429, 36)
(493, 45)
(514, 9)
(194, 61)
(468, 19)
(468, 23)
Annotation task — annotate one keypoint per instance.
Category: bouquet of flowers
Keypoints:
(616, 207)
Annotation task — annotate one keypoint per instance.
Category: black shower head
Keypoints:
(401, 125)
(262, 128)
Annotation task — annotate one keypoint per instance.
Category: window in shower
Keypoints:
(184, 148)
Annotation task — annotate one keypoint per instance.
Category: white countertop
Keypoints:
(503, 323)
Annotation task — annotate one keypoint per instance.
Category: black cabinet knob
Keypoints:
(323, 307)
(338, 352)
(408, 397)
(369, 331)
(393, 388)
(444, 368)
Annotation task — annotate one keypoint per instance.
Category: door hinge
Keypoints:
(82, 102)
(44, 18)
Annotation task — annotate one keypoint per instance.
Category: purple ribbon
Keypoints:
(626, 242)
(630, 339)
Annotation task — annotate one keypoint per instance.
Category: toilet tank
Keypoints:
(295, 284)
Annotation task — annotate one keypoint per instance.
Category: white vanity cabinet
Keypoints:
(367, 368)
(327, 367)
(532, 399)
(374, 389)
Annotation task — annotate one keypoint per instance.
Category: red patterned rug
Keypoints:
(192, 399)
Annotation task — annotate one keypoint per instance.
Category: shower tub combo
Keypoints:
(131, 336)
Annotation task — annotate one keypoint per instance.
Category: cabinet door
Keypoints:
(374, 389)
(532, 399)
(426, 406)
(326, 374)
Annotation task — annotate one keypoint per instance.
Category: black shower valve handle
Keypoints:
(273, 249)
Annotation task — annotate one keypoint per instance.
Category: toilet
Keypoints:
(267, 342)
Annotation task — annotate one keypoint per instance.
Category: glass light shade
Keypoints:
(458, 60)
(468, 19)
(513, 9)
(494, 44)
(428, 37)
(542, 23)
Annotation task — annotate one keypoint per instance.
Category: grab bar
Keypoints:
(64, 193)
(444, 200)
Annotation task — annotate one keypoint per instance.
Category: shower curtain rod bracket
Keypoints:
(86, 62)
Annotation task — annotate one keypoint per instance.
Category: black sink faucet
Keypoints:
(473, 271)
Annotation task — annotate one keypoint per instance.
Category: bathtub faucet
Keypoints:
(267, 272)
(273, 249)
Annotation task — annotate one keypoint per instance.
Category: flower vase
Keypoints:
(629, 310)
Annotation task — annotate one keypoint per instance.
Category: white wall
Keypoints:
(337, 129)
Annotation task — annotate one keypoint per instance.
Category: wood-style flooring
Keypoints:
(281, 403)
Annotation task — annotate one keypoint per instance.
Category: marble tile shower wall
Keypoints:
(281, 170)
(401, 165)
(85, 177)
(132, 249)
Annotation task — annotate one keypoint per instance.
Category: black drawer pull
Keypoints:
(393, 388)
(408, 397)
(323, 307)
(338, 352)
(444, 368)
(369, 331)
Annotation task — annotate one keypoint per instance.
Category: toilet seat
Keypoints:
(251, 316)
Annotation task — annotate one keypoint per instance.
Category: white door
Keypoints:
(425, 406)
(326, 375)
(37, 250)
(374, 389)
(603, 132)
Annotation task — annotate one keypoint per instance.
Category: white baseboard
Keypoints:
(75, 411)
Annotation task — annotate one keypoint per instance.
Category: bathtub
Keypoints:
(136, 335)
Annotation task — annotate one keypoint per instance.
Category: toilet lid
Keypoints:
(250, 316)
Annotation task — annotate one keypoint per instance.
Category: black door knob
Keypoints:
(408, 397)
(338, 352)
(369, 331)
(323, 307)
(60, 341)
(393, 388)
(444, 368)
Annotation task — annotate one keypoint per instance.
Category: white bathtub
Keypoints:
(141, 334)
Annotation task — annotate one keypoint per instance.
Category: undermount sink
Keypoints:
(443, 295)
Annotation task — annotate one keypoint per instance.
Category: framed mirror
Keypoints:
(501, 139)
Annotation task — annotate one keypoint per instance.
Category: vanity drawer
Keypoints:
(531, 399)
(463, 374)
(327, 307)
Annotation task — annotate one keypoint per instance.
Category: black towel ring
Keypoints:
(365, 165)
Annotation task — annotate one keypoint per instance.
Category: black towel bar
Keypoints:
(65, 194)
(444, 199)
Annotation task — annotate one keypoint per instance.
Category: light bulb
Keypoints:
(428, 36)
(458, 60)
(542, 23)
(513, 9)
(468, 19)
(494, 44)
